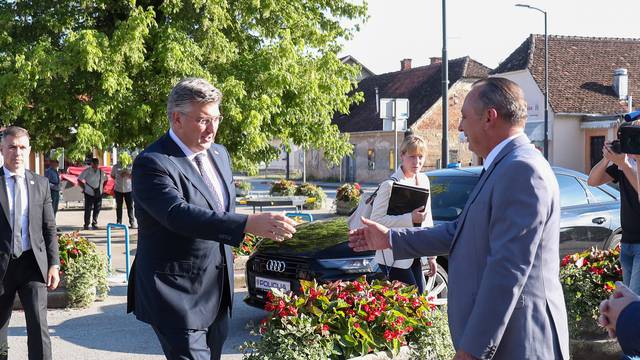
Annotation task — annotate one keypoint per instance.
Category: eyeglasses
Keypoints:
(206, 121)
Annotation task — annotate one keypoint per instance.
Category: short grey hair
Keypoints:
(505, 96)
(15, 131)
(191, 90)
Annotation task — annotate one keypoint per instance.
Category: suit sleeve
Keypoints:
(380, 206)
(49, 227)
(410, 243)
(628, 329)
(156, 192)
(515, 232)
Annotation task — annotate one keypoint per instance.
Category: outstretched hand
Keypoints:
(274, 226)
(372, 236)
(611, 308)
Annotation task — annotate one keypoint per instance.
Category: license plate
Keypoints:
(267, 284)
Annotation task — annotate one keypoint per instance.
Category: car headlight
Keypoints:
(351, 265)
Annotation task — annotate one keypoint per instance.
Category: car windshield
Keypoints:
(449, 195)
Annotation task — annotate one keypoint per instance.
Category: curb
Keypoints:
(56, 299)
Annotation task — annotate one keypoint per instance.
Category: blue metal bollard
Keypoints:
(126, 245)
(304, 216)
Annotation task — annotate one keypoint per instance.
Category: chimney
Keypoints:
(405, 64)
(621, 83)
(435, 60)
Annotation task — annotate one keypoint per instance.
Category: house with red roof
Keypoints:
(372, 159)
(591, 82)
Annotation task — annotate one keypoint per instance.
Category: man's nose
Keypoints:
(460, 128)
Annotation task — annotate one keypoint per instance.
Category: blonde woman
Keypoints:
(408, 271)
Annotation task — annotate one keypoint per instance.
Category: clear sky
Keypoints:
(486, 30)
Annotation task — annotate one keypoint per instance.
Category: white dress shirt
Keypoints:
(11, 183)
(208, 168)
(496, 150)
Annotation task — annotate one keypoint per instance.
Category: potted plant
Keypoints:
(83, 270)
(242, 187)
(343, 320)
(588, 278)
(282, 187)
(347, 198)
(315, 195)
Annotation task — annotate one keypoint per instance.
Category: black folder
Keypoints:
(406, 198)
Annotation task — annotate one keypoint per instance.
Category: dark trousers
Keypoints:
(24, 277)
(55, 200)
(410, 276)
(183, 344)
(128, 200)
(92, 203)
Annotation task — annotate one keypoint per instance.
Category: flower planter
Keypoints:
(241, 192)
(403, 354)
(313, 205)
(57, 299)
(595, 349)
(344, 207)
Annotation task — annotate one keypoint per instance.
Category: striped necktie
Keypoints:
(217, 199)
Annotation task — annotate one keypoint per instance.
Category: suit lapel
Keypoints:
(225, 176)
(188, 170)
(512, 145)
(4, 198)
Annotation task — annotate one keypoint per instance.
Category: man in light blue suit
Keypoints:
(505, 296)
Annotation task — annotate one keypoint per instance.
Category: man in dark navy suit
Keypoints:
(182, 278)
(29, 259)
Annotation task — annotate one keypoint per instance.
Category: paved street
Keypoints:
(104, 331)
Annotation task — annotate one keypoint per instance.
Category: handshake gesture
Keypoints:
(611, 308)
(275, 226)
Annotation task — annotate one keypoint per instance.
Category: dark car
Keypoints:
(590, 216)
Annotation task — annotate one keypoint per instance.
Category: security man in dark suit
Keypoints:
(182, 278)
(29, 260)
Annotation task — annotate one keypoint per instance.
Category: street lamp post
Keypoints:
(546, 79)
(445, 90)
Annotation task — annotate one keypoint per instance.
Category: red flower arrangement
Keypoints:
(587, 278)
(248, 245)
(365, 317)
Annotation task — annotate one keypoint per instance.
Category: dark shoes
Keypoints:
(86, 227)
(95, 227)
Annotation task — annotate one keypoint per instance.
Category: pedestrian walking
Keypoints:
(92, 181)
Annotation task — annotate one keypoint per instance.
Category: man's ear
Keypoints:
(176, 119)
(491, 117)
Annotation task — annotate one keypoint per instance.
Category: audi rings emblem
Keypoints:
(276, 266)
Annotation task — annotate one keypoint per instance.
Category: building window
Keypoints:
(392, 159)
(371, 157)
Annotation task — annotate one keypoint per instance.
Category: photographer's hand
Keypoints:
(619, 159)
(624, 165)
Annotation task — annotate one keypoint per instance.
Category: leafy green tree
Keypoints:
(91, 73)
